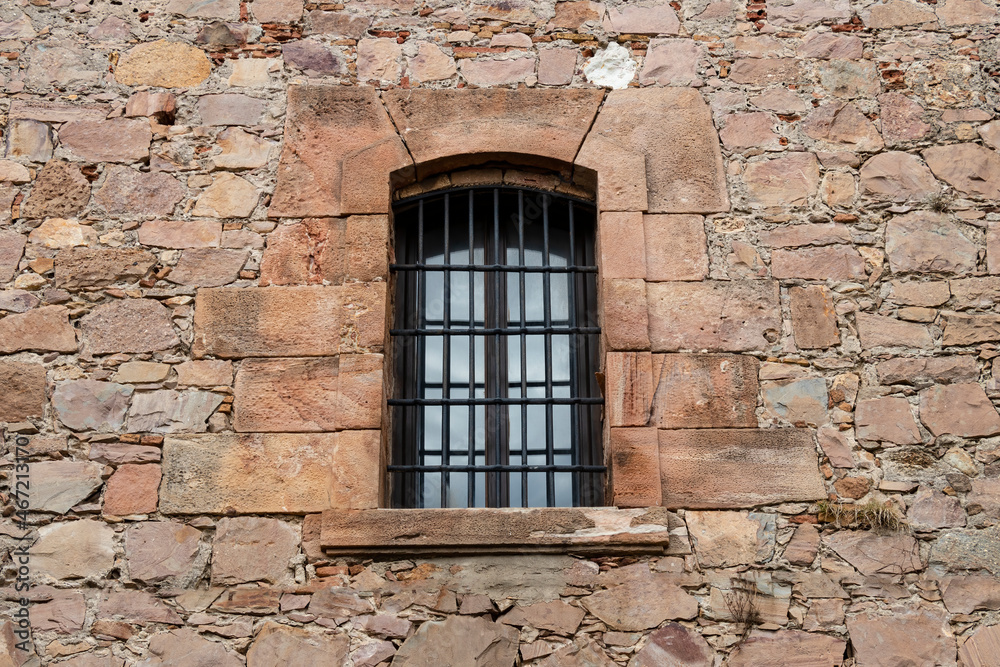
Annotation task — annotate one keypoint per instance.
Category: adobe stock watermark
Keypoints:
(20, 496)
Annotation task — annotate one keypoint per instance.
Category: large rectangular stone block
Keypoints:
(730, 316)
(704, 390)
(628, 388)
(728, 468)
(286, 395)
(267, 322)
(635, 467)
(286, 473)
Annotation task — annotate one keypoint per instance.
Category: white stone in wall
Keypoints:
(611, 68)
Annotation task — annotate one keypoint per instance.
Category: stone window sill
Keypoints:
(423, 532)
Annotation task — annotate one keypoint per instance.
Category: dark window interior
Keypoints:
(495, 343)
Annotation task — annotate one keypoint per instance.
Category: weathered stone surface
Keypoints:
(959, 550)
(901, 119)
(898, 177)
(130, 325)
(965, 12)
(808, 12)
(85, 267)
(874, 554)
(22, 391)
(139, 372)
(278, 11)
(73, 549)
(674, 644)
(641, 604)
(672, 128)
(163, 63)
(208, 373)
(378, 59)
(353, 26)
(11, 248)
(897, 14)
(131, 193)
(556, 616)
(715, 315)
(829, 45)
(704, 391)
(90, 405)
(161, 550)
(788, 648)
(850, 78)
(132, 489)
(928, 370)
(966, 329)
(728, 468)
(116, 453)
(764, 71)
(65, 612)
(674, 62)
(658, 19)
(209, 473)
(43, 329)
(230, 109)
(628, 387)
(983, 646)
(186, 647)
(906, 636)
(971, 169)
(306, 253)
(623, 250)
(59, 191)
(217, 9)
(241, 150)
(986, 494)
(959, 409)
(167, 411)
(113, 140)
(136, 607)
(497, 72)
(287, 395)
(843, 124)
(635, 456)
(277, 645)
(726, 539)
(887, 419)
(208, 267)
(932, 510)
(433, 64)
(915, 293)
(253, 549)
(326, 127)
(676, 247)
(556, 67)
(459, 640)
(160, 106)
(836, 445)
(56, 486)
(62, 233)
(804, 545)
(881, 331)
(783, 181)
(797, 401)
(28, 140)
(229, 196)
(287, 321)
(814, 320)
(837, 262)
(968, 593)
(181, 233)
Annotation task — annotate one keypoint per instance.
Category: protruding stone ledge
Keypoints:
(497, 531)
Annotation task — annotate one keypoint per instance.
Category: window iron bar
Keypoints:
(496, 468)
(499, 400)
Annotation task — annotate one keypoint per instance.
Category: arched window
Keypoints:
(495, 344)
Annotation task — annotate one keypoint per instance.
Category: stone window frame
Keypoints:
(651, 155)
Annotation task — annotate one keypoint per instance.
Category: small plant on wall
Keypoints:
(743, 601)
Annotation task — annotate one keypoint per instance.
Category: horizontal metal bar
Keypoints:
(495, 468)
(509, 188)
(512, 268)
(496, 330)
(497, 400)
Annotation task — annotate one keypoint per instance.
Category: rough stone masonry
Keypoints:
(800, 294)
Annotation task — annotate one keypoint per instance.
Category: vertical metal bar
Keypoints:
(446, 361)
(472, 355)
(524, 348)
(575, 340)
(421, 349)
(550, 478)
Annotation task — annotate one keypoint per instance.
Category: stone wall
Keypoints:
(800, 266)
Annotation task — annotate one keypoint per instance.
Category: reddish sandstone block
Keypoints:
(367, 247)
(635, 467)
(814, 320)
(532, 124)
(704, 390)
(628, 388)
(359, 396)
(181, 233)
(22, 391)
(887, 419)
(286, 395)
(623, 251)
(267, 322)
(714, 315)
(676, 247)
(672, 129)
(324, 126)
(838, 262)
(728, 468)
(626, 323)
(132, 489)
(43, 329)
(310, 252)
(365, 316)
